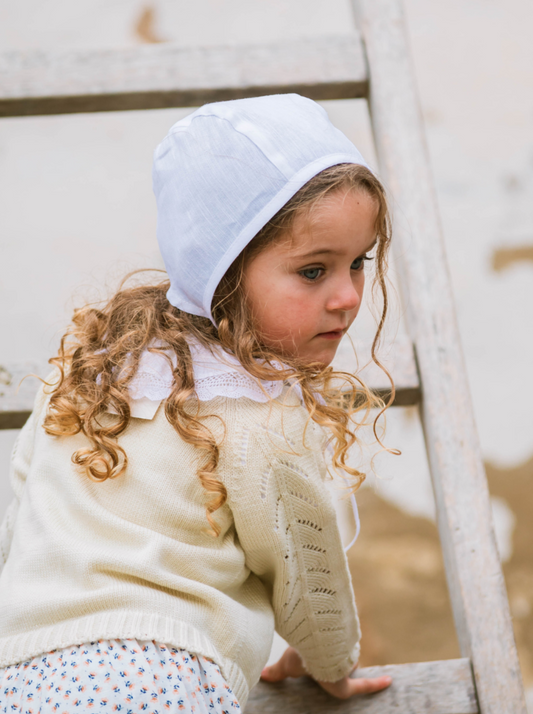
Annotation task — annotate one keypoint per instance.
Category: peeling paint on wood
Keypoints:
(503, 258)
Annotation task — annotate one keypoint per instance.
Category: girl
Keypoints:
(170, 506)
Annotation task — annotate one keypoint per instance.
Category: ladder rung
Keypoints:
(17, 394)
(444, 687)
(397, 356)
(16, 397)
(158, 76)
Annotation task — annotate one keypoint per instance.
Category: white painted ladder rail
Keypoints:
(334, 68)
(473, 570)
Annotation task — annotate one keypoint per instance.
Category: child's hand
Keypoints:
(290, 665)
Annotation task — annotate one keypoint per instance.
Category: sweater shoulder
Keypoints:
(261, 436)
(284, 417)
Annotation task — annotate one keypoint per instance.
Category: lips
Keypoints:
(333, 334)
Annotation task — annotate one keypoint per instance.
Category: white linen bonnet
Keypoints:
(223, 172)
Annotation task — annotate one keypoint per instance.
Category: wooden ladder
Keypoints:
(375, 65)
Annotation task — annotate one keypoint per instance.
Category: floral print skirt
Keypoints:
(128, 676)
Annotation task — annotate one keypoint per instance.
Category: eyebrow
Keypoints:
(330, 251)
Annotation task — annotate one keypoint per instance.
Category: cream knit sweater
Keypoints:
(131, 558)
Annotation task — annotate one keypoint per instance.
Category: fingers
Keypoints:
(273, 673)
(346, 688)
(289, 665)
(369, 686)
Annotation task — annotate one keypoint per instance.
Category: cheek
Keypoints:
(271, 294)
(286, 315)
(281, 314)
(298, 304)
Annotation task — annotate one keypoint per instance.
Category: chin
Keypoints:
(324, 358)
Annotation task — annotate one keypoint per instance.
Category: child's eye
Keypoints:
(359, 263)
(311, 273)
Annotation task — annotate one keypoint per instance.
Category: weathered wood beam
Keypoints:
(160, 76)
(444, 687)
(17, 393)
(475, 579)
(396, 356)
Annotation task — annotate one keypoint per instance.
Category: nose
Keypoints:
(346, 295)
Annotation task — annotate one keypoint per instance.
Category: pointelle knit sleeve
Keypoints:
(286, 524)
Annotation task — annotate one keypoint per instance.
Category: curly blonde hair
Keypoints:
(100, 352)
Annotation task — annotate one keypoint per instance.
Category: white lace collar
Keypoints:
(216, 374)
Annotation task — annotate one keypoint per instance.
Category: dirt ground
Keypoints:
(399, 581)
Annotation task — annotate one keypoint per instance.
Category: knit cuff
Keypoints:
(334, 671)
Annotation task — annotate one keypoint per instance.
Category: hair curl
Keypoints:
(100, 352)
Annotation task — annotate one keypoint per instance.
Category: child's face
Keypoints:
(305, 290)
